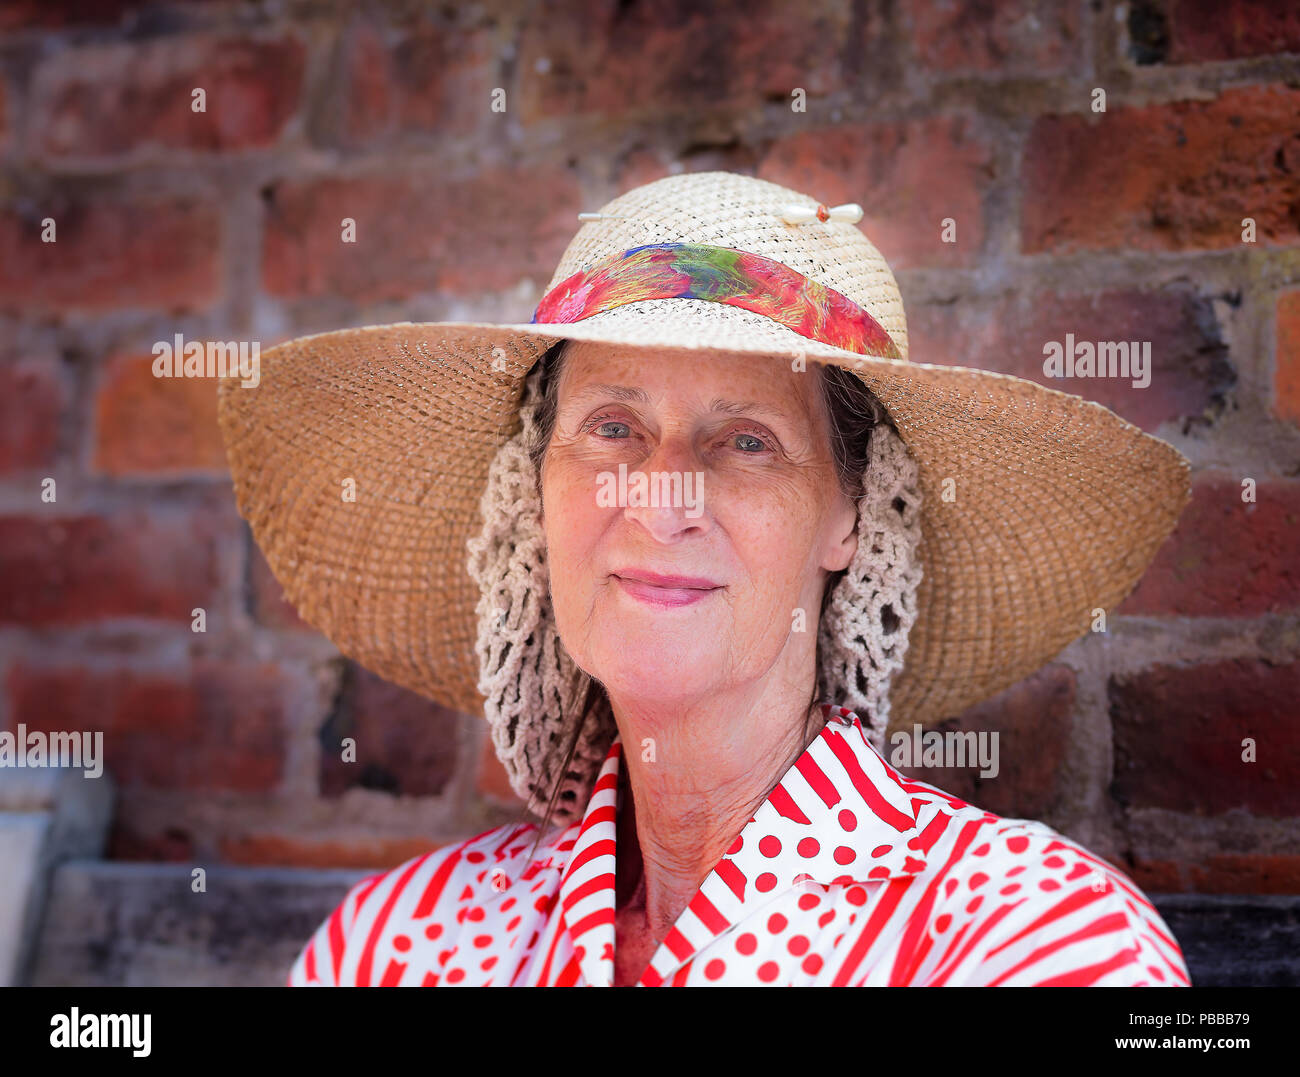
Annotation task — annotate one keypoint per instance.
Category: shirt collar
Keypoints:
(840, 815)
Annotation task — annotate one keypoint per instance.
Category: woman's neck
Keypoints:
(685, 792)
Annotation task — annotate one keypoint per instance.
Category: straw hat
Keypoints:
(1037, 506)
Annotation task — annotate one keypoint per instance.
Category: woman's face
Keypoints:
(699, 592)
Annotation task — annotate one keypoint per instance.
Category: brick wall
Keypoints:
(225, 224)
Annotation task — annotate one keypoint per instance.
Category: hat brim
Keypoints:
(1055, 508)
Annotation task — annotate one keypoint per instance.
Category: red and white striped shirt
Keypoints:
(849, 873)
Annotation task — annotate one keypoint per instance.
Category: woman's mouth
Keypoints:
(665, 592)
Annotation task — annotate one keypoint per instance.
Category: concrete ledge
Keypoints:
(1235, 940)
(133, 924)
(47, 815)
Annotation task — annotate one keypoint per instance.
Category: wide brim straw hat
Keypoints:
(1038, 507)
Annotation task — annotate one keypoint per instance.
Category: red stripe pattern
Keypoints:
(849, 874)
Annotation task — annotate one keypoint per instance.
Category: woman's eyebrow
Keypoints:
(627, 392)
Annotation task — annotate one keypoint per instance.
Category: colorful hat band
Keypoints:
(719, 275)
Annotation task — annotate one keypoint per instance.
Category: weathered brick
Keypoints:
(1226, 557)
(1156, 876)
(1032, 721)
(601, 57)
(1011, 38)
(908, 178)
(1169, 177)
(126, 843)
(268, 604)
(145, 424)
(405, 745)
(1253, 873)
(1286, 370)
(39, 14)
(32, 395)
(1225, 873)
(1210, 30)
(284, 851)
(212, 726)
(1179, 733)
(75, 569)
(425, 79)
(418, 233)
(103, 101)
(1190, 371)
(109, 255)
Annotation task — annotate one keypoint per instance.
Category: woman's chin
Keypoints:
(659, 676)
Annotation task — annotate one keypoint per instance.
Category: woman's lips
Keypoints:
(666, 591)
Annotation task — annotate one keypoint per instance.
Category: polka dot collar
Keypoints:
(840, 789)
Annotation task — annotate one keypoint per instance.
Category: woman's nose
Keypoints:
(668, 523)
(666, 492)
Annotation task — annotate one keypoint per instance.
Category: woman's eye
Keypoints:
(750, 443)
(597, 426)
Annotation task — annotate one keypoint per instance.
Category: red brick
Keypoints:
(493, 781)
(602, 57)
(268, 604)
(1247, 874)
(214, 726)
(1170, 177)
(1209, 30)
(104, 101)
(1020, 37)
(1226, 557)
(418, 233)
(1179, 731)
(125, 843)
(154, 424)
(907, 177)
(145, 424)
(405, 744)
(429, 79)
(1032, 719)
(1232, 873)
(110, 255)
(1157, 876)
(78, 569)
(364, 852)
(41, 14)
(32, 396)
(1189, 371)
(1286, 371)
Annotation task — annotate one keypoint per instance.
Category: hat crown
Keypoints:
(727, 209)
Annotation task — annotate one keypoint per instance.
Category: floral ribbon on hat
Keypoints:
(718, 275)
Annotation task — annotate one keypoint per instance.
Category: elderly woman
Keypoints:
(680, 532)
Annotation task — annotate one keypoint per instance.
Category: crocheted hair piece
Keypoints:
(533, 690)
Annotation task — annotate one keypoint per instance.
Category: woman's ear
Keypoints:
(843, 535)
